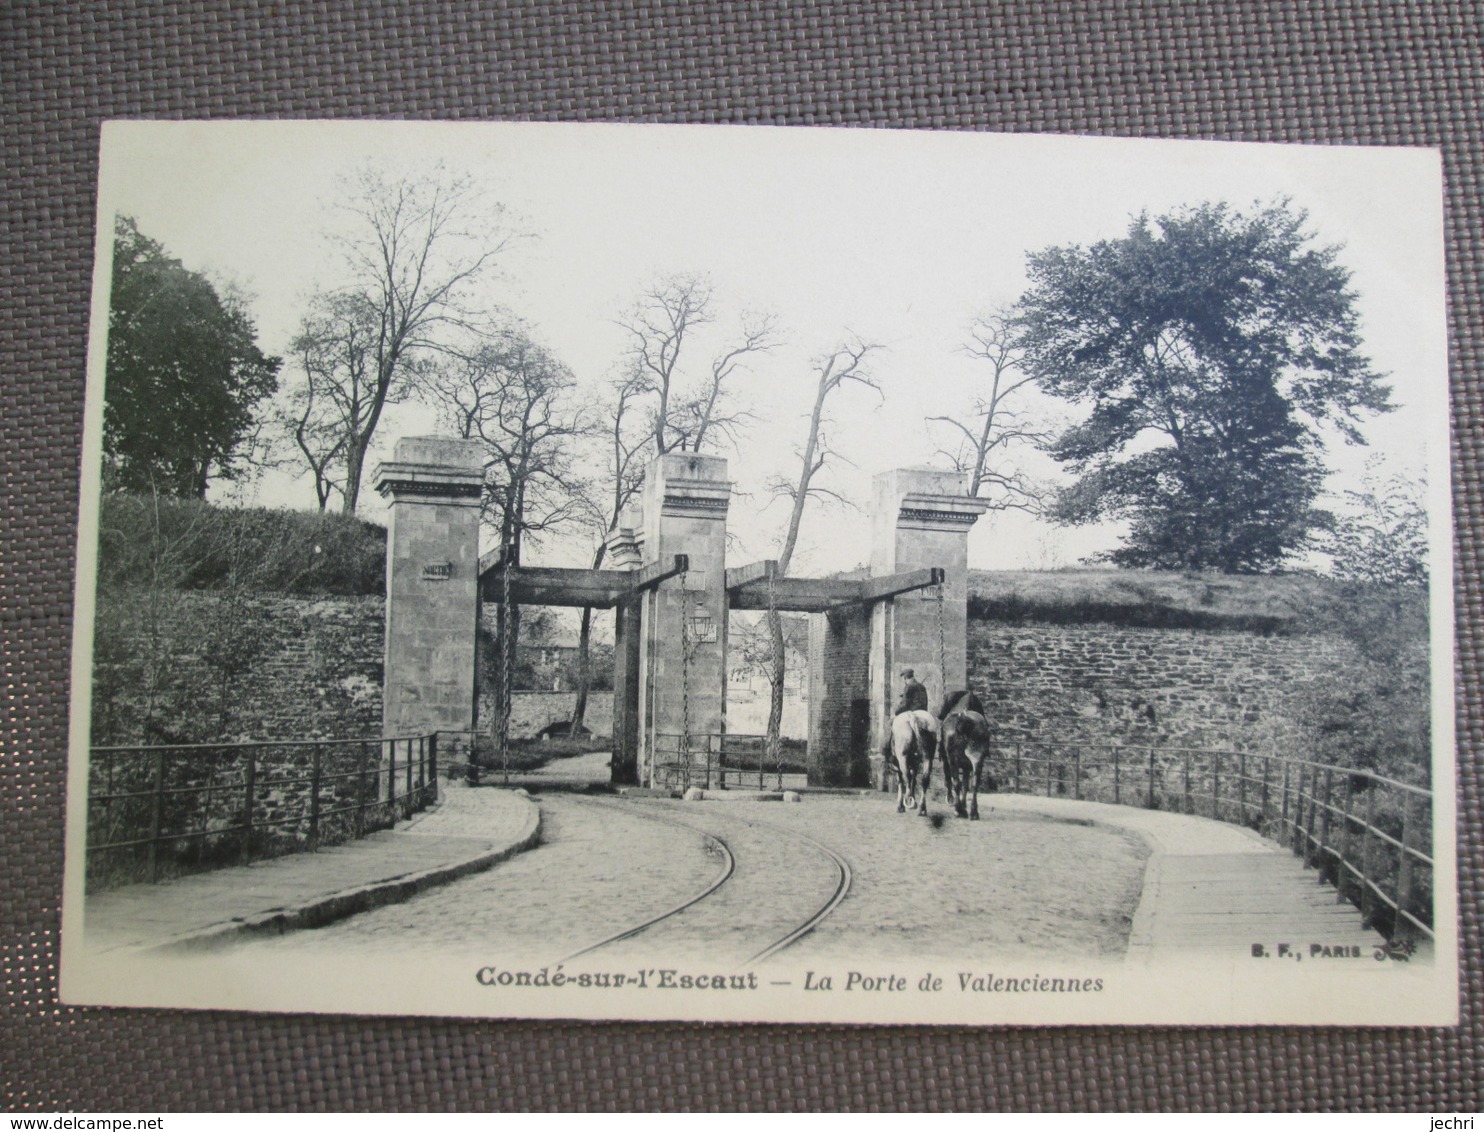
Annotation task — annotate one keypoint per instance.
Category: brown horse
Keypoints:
(914, 741)
(965, 736)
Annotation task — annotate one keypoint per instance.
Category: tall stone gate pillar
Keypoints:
(683, 623)
(920, 517)
(432, 584)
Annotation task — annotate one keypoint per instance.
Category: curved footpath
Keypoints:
(467, 831)
(1211, 886)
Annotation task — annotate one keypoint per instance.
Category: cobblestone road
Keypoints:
(1013, 883)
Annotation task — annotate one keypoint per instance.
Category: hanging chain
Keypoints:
(507, 668)
(942, 648)
(685, 649)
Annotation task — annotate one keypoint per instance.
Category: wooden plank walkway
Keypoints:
(1232, 902)
(1212, 888)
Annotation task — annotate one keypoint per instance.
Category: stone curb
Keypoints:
(322, 910)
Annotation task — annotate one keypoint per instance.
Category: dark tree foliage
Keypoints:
(1208, 345)
(184, 374)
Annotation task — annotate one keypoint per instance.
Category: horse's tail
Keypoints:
(925, 738)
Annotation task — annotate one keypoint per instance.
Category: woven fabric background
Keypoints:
(1407, 72)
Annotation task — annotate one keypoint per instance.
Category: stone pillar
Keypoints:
(920, 517)
(682, 670)
(432, 584)
(839, 697)
(625, 552)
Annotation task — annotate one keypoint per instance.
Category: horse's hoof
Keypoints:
(974, 816)
(901, 809)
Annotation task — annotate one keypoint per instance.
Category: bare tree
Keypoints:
(518, 400)
(330, 401)
(661, 324)
(996, 425)
(624, 476)
(513, 395)
(844, 365)
(411, 258)
(712, 409)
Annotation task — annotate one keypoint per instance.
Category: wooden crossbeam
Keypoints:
(740, 576)
(652, 575)
(819, 595)
(575, 589)
(889, 585)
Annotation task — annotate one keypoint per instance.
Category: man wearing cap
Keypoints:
(914, 697)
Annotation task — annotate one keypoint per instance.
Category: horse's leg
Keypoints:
(927, 778)
(977, 759)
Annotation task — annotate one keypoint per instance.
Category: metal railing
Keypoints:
(1367, 834)
(157, 811)
(716, 761)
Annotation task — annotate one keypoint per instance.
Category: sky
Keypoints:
(898, 237)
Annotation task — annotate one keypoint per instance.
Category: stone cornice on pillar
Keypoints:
(432, 469)
(685, 485)
(924, 511)
(924, 499)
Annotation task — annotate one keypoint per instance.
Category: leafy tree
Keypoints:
(1210, 345)
(1382, 537)
(184, 373)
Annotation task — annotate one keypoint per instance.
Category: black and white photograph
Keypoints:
(759, 574)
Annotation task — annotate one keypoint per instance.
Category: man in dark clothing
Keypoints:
(914, 696)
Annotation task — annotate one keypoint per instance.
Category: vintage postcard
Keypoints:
(757, 574)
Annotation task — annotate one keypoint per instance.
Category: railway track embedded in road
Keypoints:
(841, 888)
(729, 867)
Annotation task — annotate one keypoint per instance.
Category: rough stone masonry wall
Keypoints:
(314, 671)
(1169, 687)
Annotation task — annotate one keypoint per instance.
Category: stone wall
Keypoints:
(308, 668)
(1176, 687)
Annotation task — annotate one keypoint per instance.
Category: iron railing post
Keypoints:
(314, 777)
(1311, 842)
(432, 775)
(1324, 821)
(1077, 774)
(1151, 777)
(1267, 772)
(1017, 766)
(1347, 842)
(249, 780)
(1216, 785)
(391, 782)
(1241, 787)
(156, 815)
(361, 791)
(1404, 878)
(1117, 779)
(1283, 820)
(1367, 860)
(1188, 802)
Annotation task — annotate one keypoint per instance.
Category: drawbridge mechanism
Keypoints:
(759, 586)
